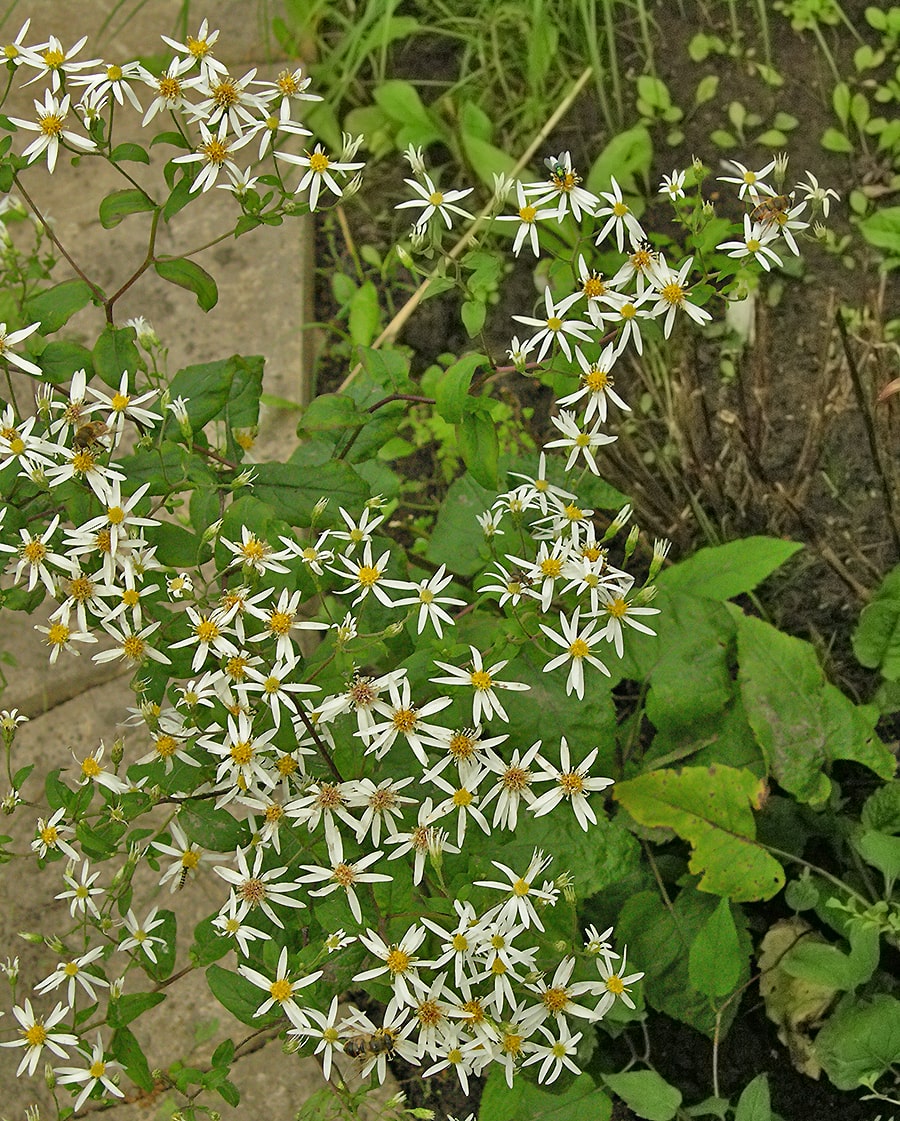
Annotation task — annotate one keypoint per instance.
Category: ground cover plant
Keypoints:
(353, 684)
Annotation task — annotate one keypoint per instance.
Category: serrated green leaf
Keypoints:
(581, 1100)
(239, 996)
(800, 720)
(120, 204)
(131, 1005)
(126, 1050)
(292, 495)
(456, 540)
(189, 275)
(710, 807)
(860, 1041)
(60, 360)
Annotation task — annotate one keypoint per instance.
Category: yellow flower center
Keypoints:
(579, 648)
(242, 752)
(521, 887)
(398, 961)
(345, 874)
(58, 634)
(482, 680)
(226, 94)
(113, 73)
(404, 719)
(169, 88)
(554, 323)
(280, 622)
(252, 891)
(134, 647)
(281, 990)
(318, 162)
(462, 798)
(596, 379)
(571, 783)
(551, 567)
(198, 47)
(90, 768)
(555, 1000)
(527, 213)
(672, 293)
(36, 1035)
(368, 575)
(515, 779)
(618, 608)
(165, 746)
(35, 552)
(215, 151)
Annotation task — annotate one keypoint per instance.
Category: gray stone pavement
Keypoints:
(264, 293)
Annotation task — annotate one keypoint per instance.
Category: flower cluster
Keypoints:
(218, 113)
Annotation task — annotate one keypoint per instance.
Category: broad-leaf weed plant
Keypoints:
(339, 728)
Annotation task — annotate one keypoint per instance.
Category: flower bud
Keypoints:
(32, 937)
(49, 1076)
(404, 257)
(631, 542)
(118, 751)
(660, 552)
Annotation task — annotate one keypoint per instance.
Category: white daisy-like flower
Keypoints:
(485, 702)
(673, 185)
(36, 1033)
(577, 646)
(139, 934)
(319, 169)
(619, 218)
(399, 960)
(51, 125)
(96, 1073)
(520, 906)
(432, 201)
(572, 783)
(755, 244)
(563, 187)
(751, 183)
(581, 440)
(672, 292)
(9, 339)
(597, 383)
(281, 989)
(528, 215)
(257, 888)
(555, 327)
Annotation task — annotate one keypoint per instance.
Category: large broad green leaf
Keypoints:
(60, 359)
(125, 1049)
(715, 959)
(659, 937)
(457, 541)
(882, 229)
(453, 388)
(292, 493)
(729, 570)
(711, 808)
(801, 721)
(581, 1101)
(876, 640)
(479, 446)
(860, 1041)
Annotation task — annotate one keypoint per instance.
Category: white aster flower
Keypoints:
(51, 125)
(319, 169)
(36, 1033)
(96, 1073)
(580, 440)
(574, 783)
(9, 339)
(563, 187)
(672, 292)
(755, 244)
(485, 702)
(577, 645)
(619, 218)
(281, 989)
(554, 327)
(434, 201)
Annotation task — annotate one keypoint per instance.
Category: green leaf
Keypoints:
(213, 829)
(711, 808)
(293, 494)
(800, 720)
(479, 447)
(582, 1100)
(821, 963)
(456, 540)
(120, 204)
(209, 944)
(486, 159)
(834, 141)
(881, 851)
(225, 390)
(753, 1104)
(165, 954)
(239, 996)
(59, 360)
(400, 101)
(188, 274)
(55, 306)
(473, 314)
(133, 153)
(365, 314)
(659, 936)
(126, 1050)
(726, 571)
(707, 88)
(115, 354)
(332, 412)
(646, 1094)
(453, 388)
(388, 368)
(882, 229)
(131, 1005)
(882, 809)
(715, 958)
(176, 546)
(627, 156)
(860, 1041)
